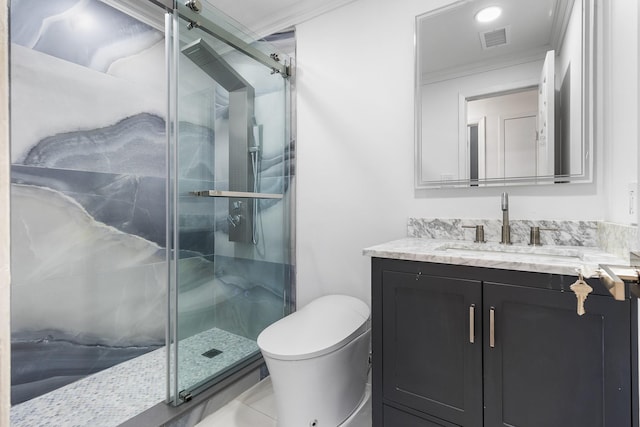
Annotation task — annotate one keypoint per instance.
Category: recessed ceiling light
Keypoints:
(488, 14)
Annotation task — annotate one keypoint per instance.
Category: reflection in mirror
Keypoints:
(505, 124)
(504, 101)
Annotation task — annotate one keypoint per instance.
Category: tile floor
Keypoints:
(256, 408)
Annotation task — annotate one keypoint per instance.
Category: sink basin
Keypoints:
(514, 251)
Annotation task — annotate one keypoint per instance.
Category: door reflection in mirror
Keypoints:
(507, 142)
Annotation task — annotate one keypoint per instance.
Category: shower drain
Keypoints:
(212, 353)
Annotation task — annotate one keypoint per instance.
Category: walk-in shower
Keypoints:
(151, 198)
(228, 210)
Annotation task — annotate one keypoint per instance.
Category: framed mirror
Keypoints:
(507, 100)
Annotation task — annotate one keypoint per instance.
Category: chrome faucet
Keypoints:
(506, 228)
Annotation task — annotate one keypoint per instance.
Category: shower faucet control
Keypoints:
(235, 218)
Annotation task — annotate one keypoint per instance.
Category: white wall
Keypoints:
(5, 336)
(621, 83)
(356, 145)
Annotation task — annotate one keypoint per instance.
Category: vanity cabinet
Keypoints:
(468, 346)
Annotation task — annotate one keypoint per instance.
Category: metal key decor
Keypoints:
(582, 290)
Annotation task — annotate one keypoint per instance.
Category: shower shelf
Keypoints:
(236, 194)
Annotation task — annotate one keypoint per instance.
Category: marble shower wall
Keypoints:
(88, 199)
(87, 195)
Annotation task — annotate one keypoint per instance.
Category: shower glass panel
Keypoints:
(228, 199)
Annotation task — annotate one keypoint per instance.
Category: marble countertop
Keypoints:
(544, 259)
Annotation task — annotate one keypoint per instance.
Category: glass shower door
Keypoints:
(228, 200)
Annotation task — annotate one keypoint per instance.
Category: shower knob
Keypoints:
(194, 5)
(234, 220)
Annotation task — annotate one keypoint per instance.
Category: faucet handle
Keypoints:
(479, 232)
(534, 238)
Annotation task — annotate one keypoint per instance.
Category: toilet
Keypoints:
(318, 361)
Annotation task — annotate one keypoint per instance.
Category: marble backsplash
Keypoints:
(614, 238)
(617, 239)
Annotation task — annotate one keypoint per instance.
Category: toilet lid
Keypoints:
(322, 326)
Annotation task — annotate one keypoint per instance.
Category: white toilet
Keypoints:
(318, 361)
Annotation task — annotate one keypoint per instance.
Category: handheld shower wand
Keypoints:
(254, 152)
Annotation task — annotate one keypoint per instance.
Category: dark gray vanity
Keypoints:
(471, 346)
(468, 345)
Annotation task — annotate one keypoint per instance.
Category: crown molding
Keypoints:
(287, 17)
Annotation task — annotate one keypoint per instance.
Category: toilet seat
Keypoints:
(322, 326)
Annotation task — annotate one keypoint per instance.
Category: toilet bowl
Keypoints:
(318, 361)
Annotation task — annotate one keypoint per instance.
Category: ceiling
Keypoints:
(264, 17)
(453, 36)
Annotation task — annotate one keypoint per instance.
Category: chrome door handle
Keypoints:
(472, 327)
(492, 327)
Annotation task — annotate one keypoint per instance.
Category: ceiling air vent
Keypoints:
(494, 38)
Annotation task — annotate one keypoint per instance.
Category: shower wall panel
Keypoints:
(88, 193)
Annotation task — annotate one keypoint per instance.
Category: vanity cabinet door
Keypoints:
(432, 358)
(546, 366)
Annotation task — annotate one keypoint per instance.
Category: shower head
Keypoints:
(216, 67)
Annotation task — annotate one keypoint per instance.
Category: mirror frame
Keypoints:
(588, 107)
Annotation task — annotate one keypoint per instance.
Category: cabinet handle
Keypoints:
(472, 327)
(492, 328)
